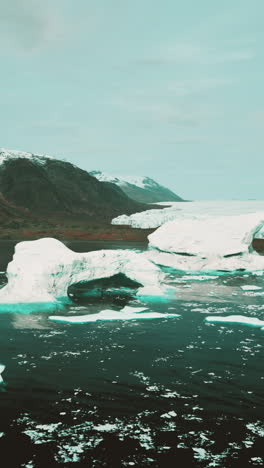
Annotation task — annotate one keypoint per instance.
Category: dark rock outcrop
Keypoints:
(57, 188)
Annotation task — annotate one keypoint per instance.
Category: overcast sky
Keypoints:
(171, 89)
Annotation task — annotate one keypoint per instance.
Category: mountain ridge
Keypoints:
(45, 185)
(143, 188)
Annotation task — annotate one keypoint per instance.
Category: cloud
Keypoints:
(188, 87)
(160, 112)
(256, 118)
(165, 103)
(190, 53)
(29, 24)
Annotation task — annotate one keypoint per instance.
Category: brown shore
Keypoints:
(92, 233)
(109, 232)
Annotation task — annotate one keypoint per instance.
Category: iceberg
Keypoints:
(260, 234)
(2, 368)
(252, 321)
(208, 243)
(250, 287)
(127, 313)
(42, 271)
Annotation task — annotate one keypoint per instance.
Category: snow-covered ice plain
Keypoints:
(178, 210)
(91, 378)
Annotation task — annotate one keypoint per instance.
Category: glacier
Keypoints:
(42, 271)
(152, 219)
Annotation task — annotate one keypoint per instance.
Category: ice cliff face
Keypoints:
(42, 271)
(208, 243)
(151, 219)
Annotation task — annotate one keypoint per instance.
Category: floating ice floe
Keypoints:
(169, 415)
(127, 313)
(252, 321)
(208, 243)
(42, 271)
(250, 287)
(2, 368)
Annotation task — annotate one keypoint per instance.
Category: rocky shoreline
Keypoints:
(109, 232)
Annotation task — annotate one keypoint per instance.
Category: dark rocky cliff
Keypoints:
(55, 187)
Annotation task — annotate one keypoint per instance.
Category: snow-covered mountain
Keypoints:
(7, 154)
(142, 189)
(48, 186)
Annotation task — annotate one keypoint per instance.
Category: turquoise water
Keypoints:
(137, 393)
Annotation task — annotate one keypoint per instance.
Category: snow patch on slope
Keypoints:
(6, 154)
(139, 181)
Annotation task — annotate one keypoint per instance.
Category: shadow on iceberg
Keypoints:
(118, 289)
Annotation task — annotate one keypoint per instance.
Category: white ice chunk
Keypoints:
(250, 287)
(2, 368)
(207, 243)
(135, 310)
(42, 270)
(169, 415)
(127, 313)
(253, 321)
(218, 236)
(107, 427)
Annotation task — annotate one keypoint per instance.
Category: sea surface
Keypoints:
(155, 393)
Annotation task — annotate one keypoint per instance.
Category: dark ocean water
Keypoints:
(174, 392)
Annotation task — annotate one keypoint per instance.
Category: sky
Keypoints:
(170, 89)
